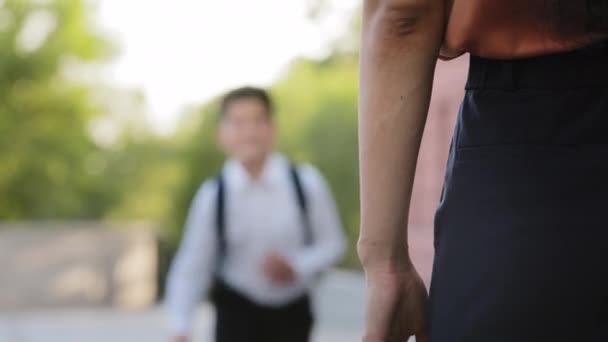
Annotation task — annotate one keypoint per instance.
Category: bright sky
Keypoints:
(181, 52)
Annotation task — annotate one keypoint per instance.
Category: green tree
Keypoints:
(49, 165)
(317, 102)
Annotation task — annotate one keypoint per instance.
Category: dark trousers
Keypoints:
(521, 232)
(241, 320)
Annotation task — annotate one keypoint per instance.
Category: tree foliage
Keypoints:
(47, 163)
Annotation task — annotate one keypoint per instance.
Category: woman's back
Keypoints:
(522, 28)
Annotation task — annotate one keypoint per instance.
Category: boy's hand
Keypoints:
(181, 338)
(277, 269)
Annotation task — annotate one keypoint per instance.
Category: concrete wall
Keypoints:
(76, 264)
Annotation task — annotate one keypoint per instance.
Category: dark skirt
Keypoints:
(521, 233)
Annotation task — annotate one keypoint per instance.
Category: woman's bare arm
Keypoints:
(400, 43)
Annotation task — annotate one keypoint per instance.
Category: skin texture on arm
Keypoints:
(400, 44)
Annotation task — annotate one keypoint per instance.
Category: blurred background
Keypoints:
(107, 114)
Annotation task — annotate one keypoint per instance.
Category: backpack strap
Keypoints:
(220, 211)
(302, 201)
(220, 216)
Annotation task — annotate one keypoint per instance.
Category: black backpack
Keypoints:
(220, 212)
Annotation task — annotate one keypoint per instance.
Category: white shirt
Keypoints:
(262, 217)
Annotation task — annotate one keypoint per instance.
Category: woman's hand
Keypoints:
(396, 307)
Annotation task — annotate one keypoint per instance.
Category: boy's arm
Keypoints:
(329, 241)
(192, 269)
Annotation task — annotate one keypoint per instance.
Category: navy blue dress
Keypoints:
(521, 233)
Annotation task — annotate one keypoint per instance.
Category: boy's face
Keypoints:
(246, 131)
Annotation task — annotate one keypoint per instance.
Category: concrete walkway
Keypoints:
(339, 305)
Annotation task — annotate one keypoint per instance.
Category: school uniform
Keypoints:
(258, 217)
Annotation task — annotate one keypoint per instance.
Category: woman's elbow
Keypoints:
(400, 17)
(400, 8)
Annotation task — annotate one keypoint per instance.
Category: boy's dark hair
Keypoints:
(246, 92)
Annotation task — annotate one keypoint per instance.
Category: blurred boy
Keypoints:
(258, 235)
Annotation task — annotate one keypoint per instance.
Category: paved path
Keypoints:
(338, 302)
